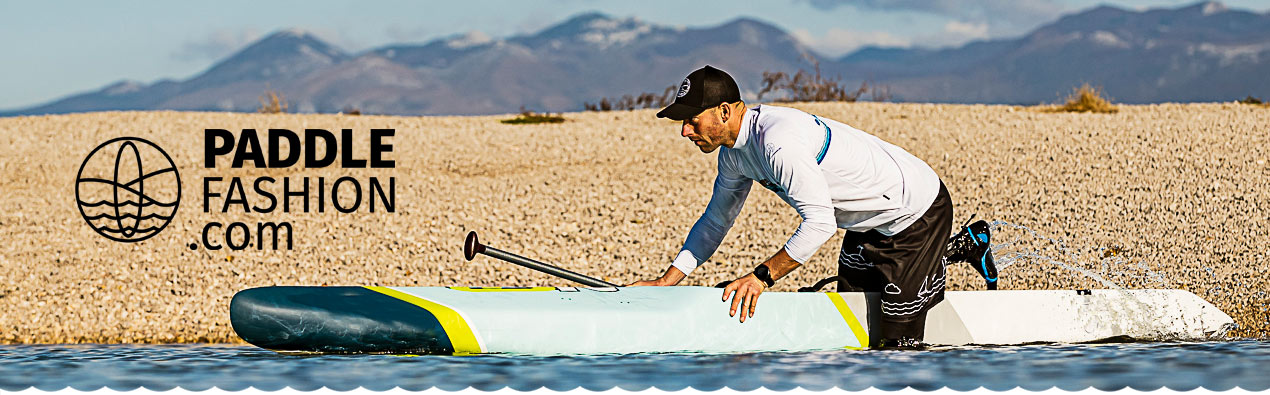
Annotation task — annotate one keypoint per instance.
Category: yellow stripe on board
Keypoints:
(860, 334)
(503, 289)
(462, 339)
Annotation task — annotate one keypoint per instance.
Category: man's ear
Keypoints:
(725, 112)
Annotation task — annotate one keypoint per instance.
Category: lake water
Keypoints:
(1179, 366)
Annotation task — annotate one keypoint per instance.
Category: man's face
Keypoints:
(706, 130)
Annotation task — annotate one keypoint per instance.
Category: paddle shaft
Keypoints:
(473, 246)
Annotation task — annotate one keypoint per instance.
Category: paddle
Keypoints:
(472, 246)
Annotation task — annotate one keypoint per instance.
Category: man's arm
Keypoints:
(796, 171)
(730, 191)
(798, 174)
(781, 264)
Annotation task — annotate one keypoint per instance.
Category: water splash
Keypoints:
(1009, 253)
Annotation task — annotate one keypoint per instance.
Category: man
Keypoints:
(894, 207)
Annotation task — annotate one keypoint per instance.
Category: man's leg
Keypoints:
(906, 268)
(857, 272)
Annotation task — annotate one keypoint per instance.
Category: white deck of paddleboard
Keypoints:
(695, 319)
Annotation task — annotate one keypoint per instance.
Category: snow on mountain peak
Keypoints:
(471, 39)
(1108, 39)
(122, 87)
(608, 32)
(608, 24)
(293, 32)
(1213, 7)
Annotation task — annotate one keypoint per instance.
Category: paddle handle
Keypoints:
(473, 246)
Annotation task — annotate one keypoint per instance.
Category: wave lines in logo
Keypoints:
(119, 199)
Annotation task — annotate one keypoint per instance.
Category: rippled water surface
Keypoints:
(1216, 365)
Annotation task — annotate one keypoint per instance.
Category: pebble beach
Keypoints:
(1153, 196)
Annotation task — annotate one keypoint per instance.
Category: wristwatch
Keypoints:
(765, 275)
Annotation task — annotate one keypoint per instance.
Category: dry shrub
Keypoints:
(350, 110)
(812, 87)
(272, 102)
(640, 101)
(1086, 98)
(527, 117)
(1255, 101)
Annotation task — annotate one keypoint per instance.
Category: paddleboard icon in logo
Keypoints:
(128, 189)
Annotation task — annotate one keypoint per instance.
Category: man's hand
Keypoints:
(672, 276)
(746, 289)
(648, 283)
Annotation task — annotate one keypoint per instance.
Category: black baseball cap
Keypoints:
(707, 87)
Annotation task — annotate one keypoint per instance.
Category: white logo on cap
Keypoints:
(683, 88)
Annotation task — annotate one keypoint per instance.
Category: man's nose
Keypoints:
(686, 129)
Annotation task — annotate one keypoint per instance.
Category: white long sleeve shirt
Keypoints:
(834, 175)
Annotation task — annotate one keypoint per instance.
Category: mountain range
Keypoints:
(1203, 52)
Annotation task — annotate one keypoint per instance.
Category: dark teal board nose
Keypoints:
(335, 320)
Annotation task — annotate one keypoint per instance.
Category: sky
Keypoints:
(51, 49)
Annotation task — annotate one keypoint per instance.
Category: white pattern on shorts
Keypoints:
(854, 261)
(930, 287)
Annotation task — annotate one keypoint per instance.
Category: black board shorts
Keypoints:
(907, 268)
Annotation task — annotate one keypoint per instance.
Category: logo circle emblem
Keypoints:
(128, 189)
(683, 88)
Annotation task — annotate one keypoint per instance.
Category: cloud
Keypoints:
(401, 34)
(216, 45)
(1001, 16)
(953, 34)
(837, 42)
